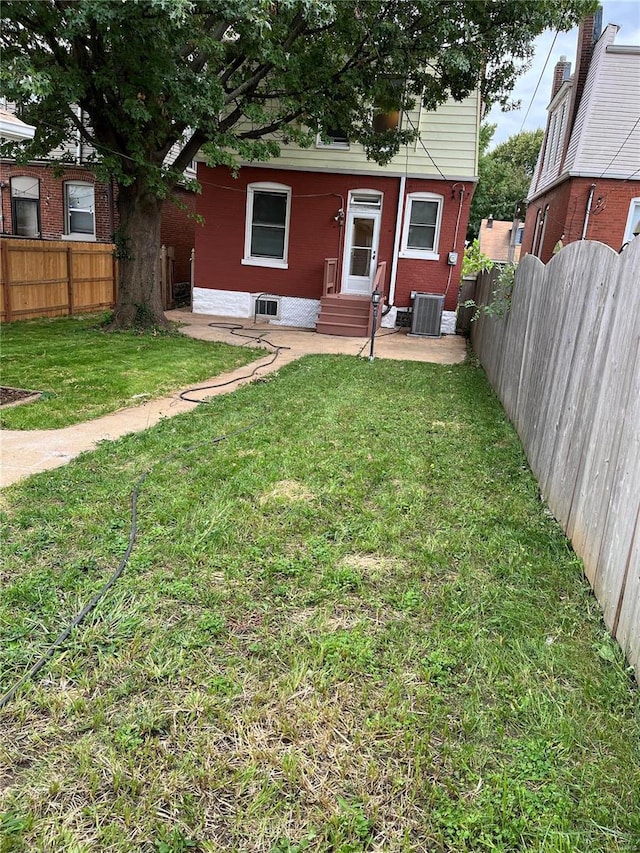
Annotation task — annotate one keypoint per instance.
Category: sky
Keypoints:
(625, 13)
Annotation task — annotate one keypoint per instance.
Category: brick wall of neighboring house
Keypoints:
(610, 209)
(178, 225)
(567, 202)
(178, 230)
(314, 234)
(52, 199)
(556, 223)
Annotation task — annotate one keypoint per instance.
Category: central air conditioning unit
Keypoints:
(427, 314)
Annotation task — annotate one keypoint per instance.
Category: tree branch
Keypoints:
(271, 128)
(189, 151)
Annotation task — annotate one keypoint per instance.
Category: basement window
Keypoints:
(267, 308)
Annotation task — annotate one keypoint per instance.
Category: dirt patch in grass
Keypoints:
(16, 396)
(287, 490)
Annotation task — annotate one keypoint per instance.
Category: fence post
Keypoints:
(70, 279)
(6, 283)
(114, 273)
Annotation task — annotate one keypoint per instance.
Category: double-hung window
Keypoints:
(25, 206)
(421, 232)
(79, 210)
(266, 242)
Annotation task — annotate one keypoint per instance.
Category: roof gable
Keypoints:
(605, 136)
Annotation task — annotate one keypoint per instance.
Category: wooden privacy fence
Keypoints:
(48, 279)
(566, 364)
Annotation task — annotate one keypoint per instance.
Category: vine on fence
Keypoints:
(500, 302)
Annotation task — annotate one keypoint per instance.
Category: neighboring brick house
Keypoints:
(304, 239)
(587, 180)
(53, 200)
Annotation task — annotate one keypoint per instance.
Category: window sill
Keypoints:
(417, 255)
(335, 146)
(274, 263)
(87, 238)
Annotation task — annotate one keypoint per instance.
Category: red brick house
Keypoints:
(50, 200)
(303, 240)
(587, 180)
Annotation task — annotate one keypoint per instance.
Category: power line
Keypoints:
(628, 136)
(535, 91)
(444, 178)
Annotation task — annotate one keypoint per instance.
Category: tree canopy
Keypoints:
(504, 175)
(158, 80)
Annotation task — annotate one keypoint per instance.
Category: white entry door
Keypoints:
(361, 244)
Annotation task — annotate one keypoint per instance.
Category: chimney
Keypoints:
(561, 73)
(588, 34)
(490, 221)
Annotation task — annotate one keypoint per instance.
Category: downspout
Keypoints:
(396, 241)
(587, 211)
(461, 192)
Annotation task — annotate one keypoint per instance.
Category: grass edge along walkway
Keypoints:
(84, 372)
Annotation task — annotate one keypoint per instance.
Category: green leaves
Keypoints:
(146, 72)
(505, 175)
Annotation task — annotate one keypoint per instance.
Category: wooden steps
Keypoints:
(345, 315)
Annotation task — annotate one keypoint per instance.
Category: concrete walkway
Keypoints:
(25, 452)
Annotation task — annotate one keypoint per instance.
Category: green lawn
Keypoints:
(84, 372)
(350, 627)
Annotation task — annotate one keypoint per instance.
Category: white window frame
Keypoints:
(339, 145)
(412, 252)
(634, 207)
(25, 188)
(255, 260)
(78, 235)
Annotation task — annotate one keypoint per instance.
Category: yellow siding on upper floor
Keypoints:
(448, 137)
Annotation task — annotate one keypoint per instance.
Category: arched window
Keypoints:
(25, 206)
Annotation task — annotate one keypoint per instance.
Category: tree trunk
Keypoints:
(139, 303)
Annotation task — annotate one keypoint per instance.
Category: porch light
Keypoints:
(376, 298)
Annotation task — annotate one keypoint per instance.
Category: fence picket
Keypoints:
(566, 364)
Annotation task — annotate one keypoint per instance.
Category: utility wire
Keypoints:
(628, 136)
(535, 91)
(133, 529)
(428, 153)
